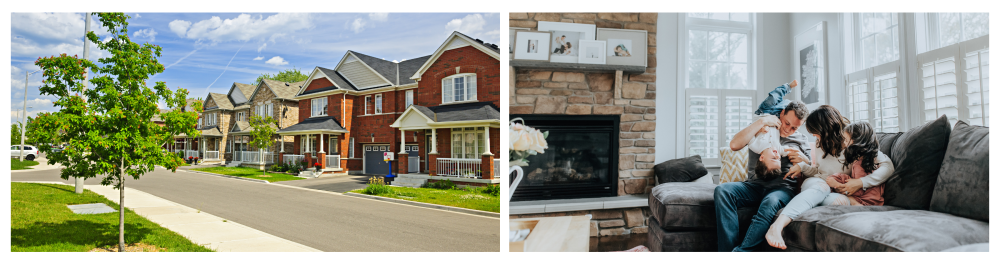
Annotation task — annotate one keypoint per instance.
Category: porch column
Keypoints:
(487, 162)
(306, 153)
(322, 153)
(403, 159)
(433, 155)
(281, 154)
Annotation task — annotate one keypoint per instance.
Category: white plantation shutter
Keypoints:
(446, 90)
(470, 84)
(739, 115)
(885, 104)
(703, 125)
(940, 90)
(977, 73)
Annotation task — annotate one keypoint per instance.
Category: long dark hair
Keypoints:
(829, 124)
(864, 146)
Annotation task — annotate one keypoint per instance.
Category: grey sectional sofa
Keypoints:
(937, 200)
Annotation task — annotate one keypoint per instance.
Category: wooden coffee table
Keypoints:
(553, 234)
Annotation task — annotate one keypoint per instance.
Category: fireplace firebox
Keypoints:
(580, 162)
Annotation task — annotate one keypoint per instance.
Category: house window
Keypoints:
(936, 30)
(720, 95)
(467, 142)
(409, 98)
(239, 116)
(318, 106)
(350, 148)
(458, 88)
(368, 100)
(877, 39)
(334, 144)
(378, 104)
(872, 49)
(308, 145)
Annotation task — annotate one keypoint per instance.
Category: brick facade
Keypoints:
(569, 92)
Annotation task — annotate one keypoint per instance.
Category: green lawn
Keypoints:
(40, 222)
(16, 164)
(453, 197)
(245, 172)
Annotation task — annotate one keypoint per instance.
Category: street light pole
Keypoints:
(24, 125)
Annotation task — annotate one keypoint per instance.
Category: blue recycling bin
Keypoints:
(389, 178)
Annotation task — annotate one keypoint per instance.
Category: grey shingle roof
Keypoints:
(240, 92)
(212, 131)
(311, 124)
(491, 46)
(409, 67)
(337, 79)
(244, 127)
(461, 112)
(384, 68)
(221, 100)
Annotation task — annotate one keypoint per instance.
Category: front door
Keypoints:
(413, 161)
(373, 160)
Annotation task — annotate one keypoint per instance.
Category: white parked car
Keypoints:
(30, 152)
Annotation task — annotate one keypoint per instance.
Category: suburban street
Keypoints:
(328, 222)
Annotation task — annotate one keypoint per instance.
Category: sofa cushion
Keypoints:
(963, 185)
(734, 164)
(885, 141)
(917, 156)
(689, 205)
(800, 233)
(660, 240)
(903, 230)
(680, 170)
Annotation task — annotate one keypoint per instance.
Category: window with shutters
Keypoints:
(872, 52)
(378, 104)
(458, 88)
(720, 95)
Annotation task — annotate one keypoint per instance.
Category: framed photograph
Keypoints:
(510, 41)
(532, 45)
(566, 37)
(811, 66)
(624, 46)
(593, 51)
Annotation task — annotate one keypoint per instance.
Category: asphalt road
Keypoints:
(328, 222)
(335, 184)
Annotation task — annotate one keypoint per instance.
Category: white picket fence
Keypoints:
(459, 167)
(254, 157)
(332, 161)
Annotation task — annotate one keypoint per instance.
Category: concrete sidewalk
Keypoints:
(42, 165)
(200, 227)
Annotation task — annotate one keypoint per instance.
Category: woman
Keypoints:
(827, 125)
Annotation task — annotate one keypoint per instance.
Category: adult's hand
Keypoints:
(795, 156)
(834, 184)
(770, 120)
(793, 172)
(852, 186)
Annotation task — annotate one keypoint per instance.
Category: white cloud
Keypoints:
(258, 58)
(358, 25)
(243, 27)
(179, 27)
(381, 17)
(469, 25)
(149, 33)
(276, 61)
(261, 47)
(137, 15)
(46, 34)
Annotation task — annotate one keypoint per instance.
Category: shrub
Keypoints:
(441, 184)
(376, 186)
(493, 190)
(276, 168)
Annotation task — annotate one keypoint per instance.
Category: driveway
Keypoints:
(321, 220)
(339, 184)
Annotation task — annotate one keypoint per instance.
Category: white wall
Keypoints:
(669, 137)
(799, 22)
(773, 53)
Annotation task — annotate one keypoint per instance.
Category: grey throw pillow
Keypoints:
(917, 156)
(885, 141)
(680, 170)
(963, 185)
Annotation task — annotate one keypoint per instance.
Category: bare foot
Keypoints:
(793, 84)
(773, 237)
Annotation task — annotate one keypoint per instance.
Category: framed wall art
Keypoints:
(532, 45)
(624, 46)
(811, 66)
(510, 41)
(593, 51)
(566, 37)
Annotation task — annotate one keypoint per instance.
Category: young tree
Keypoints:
(15, 134)
(263, 129)
(289, 75)
(110, 134)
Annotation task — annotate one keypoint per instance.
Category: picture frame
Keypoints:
(811, 66)
(510, 41)
(530, 45)
(593, 52)
(618, 48)
(564, 47)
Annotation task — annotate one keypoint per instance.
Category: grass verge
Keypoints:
(245, 172)
(450, 197)
(16, 164)
(40, 222)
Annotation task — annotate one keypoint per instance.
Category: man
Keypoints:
(771, 193)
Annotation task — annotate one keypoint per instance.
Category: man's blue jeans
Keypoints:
(775, 101)
(733, 195)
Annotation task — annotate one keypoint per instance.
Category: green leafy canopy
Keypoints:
(289, 75)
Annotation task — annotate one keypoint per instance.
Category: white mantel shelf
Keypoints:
(631, 69)
(568, 205)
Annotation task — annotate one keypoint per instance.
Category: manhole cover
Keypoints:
(93, 208)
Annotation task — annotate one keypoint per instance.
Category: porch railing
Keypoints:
(332, 161)
(254, 157)
(211, 155)
(190, 153)
(296, 159)
(459, 167)
(496, 168)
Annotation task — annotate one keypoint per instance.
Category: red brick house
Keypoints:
(440, 110)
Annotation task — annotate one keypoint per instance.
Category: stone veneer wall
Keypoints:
(582, 93)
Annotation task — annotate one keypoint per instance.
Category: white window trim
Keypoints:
(317, 109)
(869, 75)
(466, 94)
(461, 131)
(367, 99)
(958, 52)
(409, 98)
(379, 104)
(856, 38)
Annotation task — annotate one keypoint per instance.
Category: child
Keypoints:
(870, 168)
(767, 143)
(775, 101)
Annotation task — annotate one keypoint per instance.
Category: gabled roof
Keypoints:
(329, 124)
(239, 93)
(461, 112)
(157, 118)
(212, 131)
(490, 49)
(408, 67)
(221, 101)
(384, 68)
(282, 90)
(242, 127)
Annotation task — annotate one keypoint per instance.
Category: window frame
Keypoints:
(479, 132)
(409, 98)
(368, 99)
(467, 96)
(958, 52)
(318, 107)
(378, 104)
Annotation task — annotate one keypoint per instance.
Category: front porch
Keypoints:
(466, 154)
(316, 141)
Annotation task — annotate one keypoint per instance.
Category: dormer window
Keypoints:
(458, 88)
(318, 106)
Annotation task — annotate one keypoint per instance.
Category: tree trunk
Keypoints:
(121, 208)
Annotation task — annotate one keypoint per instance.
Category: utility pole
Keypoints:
(24, 125)
(86, 56)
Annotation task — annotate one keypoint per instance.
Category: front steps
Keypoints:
(311, 173)
(409, 181)
(234, 164)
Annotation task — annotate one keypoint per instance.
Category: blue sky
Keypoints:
(207, 52)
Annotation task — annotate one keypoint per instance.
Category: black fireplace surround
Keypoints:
(581, 160)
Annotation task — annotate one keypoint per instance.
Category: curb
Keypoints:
(427, 205)
(225, 176)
